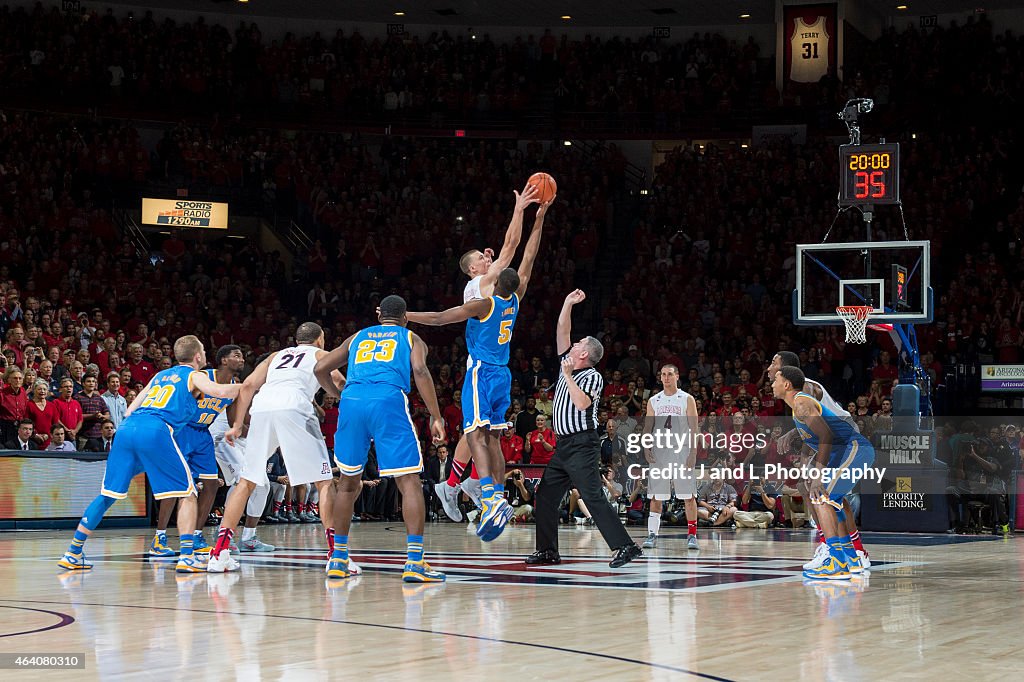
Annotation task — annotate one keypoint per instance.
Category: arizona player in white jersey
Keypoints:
(282, 417)
(673, 412)
(483, 273)
(787, 358)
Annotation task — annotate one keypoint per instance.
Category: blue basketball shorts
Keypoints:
(857, 454)
(146, 444)
(380, 414)
(197, 446)
(486, 396)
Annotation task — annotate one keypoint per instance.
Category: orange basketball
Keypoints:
(545, 184)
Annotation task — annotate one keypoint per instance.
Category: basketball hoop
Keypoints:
(856, 319)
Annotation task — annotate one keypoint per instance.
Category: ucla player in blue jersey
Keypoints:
(196, 442)
(145, 443)
(375, 406)
(486, 393)
(838, 450)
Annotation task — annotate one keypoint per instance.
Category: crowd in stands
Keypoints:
(86, 317)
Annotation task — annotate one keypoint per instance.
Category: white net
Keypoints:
(856, 319)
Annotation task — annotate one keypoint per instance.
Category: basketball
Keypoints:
(546, 187)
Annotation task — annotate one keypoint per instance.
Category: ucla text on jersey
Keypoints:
(209, 407)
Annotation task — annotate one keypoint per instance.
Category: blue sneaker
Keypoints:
(159, 546)
(199, 545)
(338, 569)
(74, 562)
(193, 563)
(420, 572)
(498, 527)
(855, 565)
(831, 569)
(494, 511)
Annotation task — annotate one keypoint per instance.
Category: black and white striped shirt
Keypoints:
(567, 418)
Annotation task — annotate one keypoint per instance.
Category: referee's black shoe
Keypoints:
(543, 557)
(623, 555)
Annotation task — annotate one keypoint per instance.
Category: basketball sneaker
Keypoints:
(194, 563)
(865, 560)
(691, 542)
(855, 566)
(338, 569)
(200, 546)
(820, 554)
(159, 546)
(494, 516)
(74, 562)
(449, 497)
(831, 569)
(222, 563)
(254, 544)
(471, 487)
(421, 572)
(651, 542)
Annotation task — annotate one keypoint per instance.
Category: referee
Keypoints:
(577, 457)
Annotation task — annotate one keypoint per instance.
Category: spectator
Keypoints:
(543, 398)
(94, 409)
(23, 437)
(43, 413)
(511, 447)
(540, 443)
(527, 419)
(519, 495)
(633, 362)
(117, 406)
(69, 409)
(613, 446)
(758, 504)
(141, 369)
(104, 441)
(716, 502)
(57, 442)
(13, 403)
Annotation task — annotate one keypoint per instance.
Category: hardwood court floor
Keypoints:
(933, 607)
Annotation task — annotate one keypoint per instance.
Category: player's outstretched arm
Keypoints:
(532, 248)
(563, 332)
(513, 235)
(476, 308)
(328, 363)
(203, 383)
(425, 386)
(138, 399)
(249, 387)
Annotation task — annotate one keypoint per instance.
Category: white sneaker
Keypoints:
(254, 544)
(471, 487)
(353, 567)
(222, 563)
(820, 554)
(864, 560)
(449, 497)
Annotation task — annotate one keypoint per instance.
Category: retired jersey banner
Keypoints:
(185, 213)
(809, 39)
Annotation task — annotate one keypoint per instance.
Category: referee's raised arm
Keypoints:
(563, 332)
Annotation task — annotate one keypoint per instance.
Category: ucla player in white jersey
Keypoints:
(672, 412)
(486, 391)
(375, 407)
(145, 443)
(787, 358)
(282, 417)
(197, 444)
(483, 271)
(838, 449)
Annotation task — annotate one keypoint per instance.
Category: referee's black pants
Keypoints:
(576, 464)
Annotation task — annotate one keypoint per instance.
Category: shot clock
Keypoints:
(869, 174)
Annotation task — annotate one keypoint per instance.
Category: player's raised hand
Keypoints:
(542, 211)
(526, 197)
(576, 297)
(489, 254)
(437, 430)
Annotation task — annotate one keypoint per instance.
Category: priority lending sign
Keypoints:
(185, 213)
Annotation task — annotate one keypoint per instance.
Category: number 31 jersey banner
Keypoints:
(809, 40)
